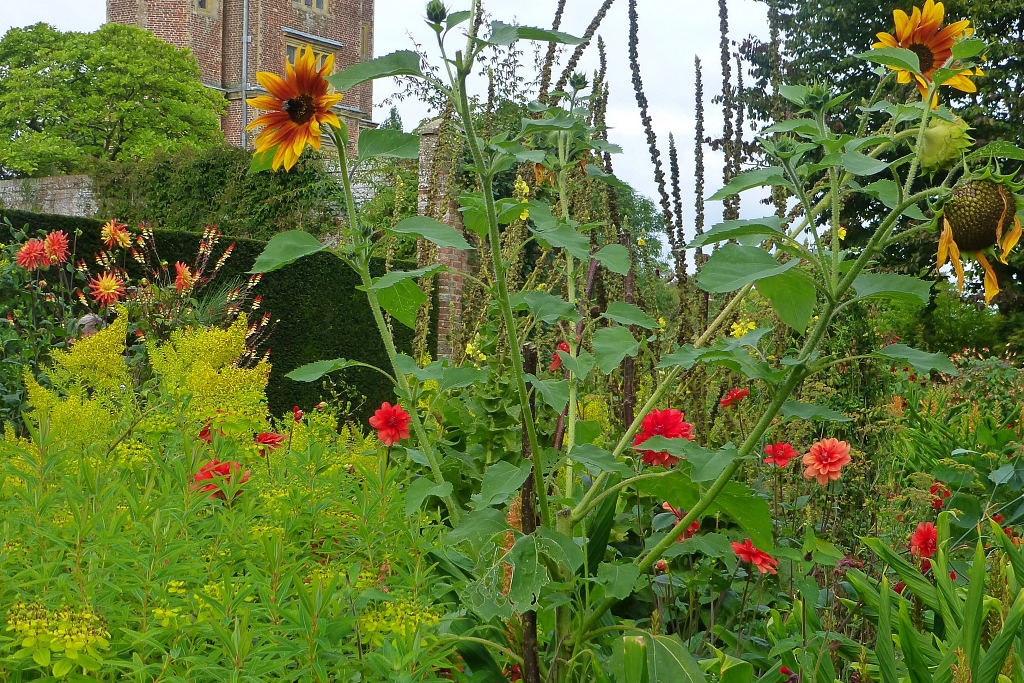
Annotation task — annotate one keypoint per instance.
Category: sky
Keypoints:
(672, 32)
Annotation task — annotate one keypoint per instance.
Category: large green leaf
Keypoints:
(611, 345)
(915, 581)
(1000, 149)
(565, 237)
(884, 650)
(892, 286)
(501, 482)
(605, 177)
(396, 276)
(477, 528)
(792, 296)
(995, 655)
(421, 489)
(974, 611)
(311, 372)
(706, 464)
(460, 378)
(528, 576)
(759, 228)
(433, 231)
(505, 34)
(921, 361)
(893, 56)
(614, 257)
(580, 366)
(862, 165)
(388, 144)
(263, 161)
(968, 47)
(402, 300)
(733, 266)
(912, 657)
(548, 308)
(555, 392)
(597, 460)
(808, 411)
(401, 63)
(560, 548)
(670, 662)
(617, 579)
(750, 511)
(628, 314)
(759, 177)
(285, 248)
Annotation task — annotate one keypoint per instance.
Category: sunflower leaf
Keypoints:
(733, 266)
(505, 34)
(921, 361)
(432, 230)
(285, 248)
(897, 57)
(1001, 149)
(386, 143)
(771, 175)
(400, 63)
(970, 47)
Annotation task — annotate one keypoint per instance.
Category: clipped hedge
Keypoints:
(320, 313)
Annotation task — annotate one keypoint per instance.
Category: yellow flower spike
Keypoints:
(991, 283)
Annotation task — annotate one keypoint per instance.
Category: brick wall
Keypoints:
(449, 283)
(214, 34)
(67, 195)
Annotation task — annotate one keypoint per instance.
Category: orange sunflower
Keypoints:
(298, 104)
(922, 33)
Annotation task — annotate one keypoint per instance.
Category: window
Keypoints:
(318, 5)
(201, 4)
(293, 49)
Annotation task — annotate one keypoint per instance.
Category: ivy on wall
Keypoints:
(194, 188)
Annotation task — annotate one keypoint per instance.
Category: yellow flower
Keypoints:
(741, 328)
(842, 233)
(641, 242)
(298, 105)
(922, 34)
(661, 322)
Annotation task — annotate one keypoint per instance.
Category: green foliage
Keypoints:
(116, 93)
(318, 311)
(192, 188)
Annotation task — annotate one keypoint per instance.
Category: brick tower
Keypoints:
(214, 30)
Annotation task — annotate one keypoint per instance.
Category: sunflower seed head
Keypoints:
(974, 212)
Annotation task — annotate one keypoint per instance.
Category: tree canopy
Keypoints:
(118, 92)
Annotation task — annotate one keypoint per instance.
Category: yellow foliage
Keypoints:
(197, 367)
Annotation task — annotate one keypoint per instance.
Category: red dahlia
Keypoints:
(764, 562)
(556, 360)
(734, 395)
(216, 472)
(667, 423)
(779, 454)
(391, 423)
(925, 540)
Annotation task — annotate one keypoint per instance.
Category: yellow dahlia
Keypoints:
(298, 104)
(980, 213)
(922, 33)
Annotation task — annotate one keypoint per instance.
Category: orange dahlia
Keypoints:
(825, 460)
(298, 104)
(923, 34)
(184, 278)
(32, 255)
(115, 234)
(55, 245)
(106, 289)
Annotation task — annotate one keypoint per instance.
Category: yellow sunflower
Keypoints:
(922, 33)
(980, 213)
(298, 104)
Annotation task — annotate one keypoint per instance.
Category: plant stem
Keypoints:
(362, 267)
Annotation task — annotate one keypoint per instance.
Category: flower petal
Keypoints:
(1011, 239)
(265, 103)
(278, 87)
(902, 25)
(991, 282)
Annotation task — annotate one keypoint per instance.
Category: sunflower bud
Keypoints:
(436, 11)
(943, 144)
(577, 82)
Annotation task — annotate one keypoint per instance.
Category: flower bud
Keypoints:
(943, 144)
(578, 81)
(436, 11)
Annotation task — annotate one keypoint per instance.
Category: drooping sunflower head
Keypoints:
(981, 213)
(923, 34)
(297, 105)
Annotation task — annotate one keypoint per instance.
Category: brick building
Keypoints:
(213, 30)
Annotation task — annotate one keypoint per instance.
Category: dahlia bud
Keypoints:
(436, 11)
(943, 144)
(661, 566)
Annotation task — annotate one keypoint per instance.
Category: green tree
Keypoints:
(118, 92)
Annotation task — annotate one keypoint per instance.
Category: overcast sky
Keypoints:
(671, 33)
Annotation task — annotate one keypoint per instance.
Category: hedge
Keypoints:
(320, 313)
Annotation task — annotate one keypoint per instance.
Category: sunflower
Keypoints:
(298, 104)
(981, 213)
(922, 34)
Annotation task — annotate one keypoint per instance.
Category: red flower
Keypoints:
(205, 435)
(784, 670)
(998, 519)
(764, 562)
(939, 494)
(391, 423)
(55, 245)
(690, 530)
(924, 540)
(661, 566)
(184, 278)
(268, 441)
(779, 454)
(825, 459)
(667, 423)
(556, 360)
(32, 255)
(899, 587)
(297, 414)
(216, 472)
(734, 395)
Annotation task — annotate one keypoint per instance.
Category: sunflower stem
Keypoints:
(361, 262)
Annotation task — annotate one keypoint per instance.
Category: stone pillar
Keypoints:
(449, 283)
